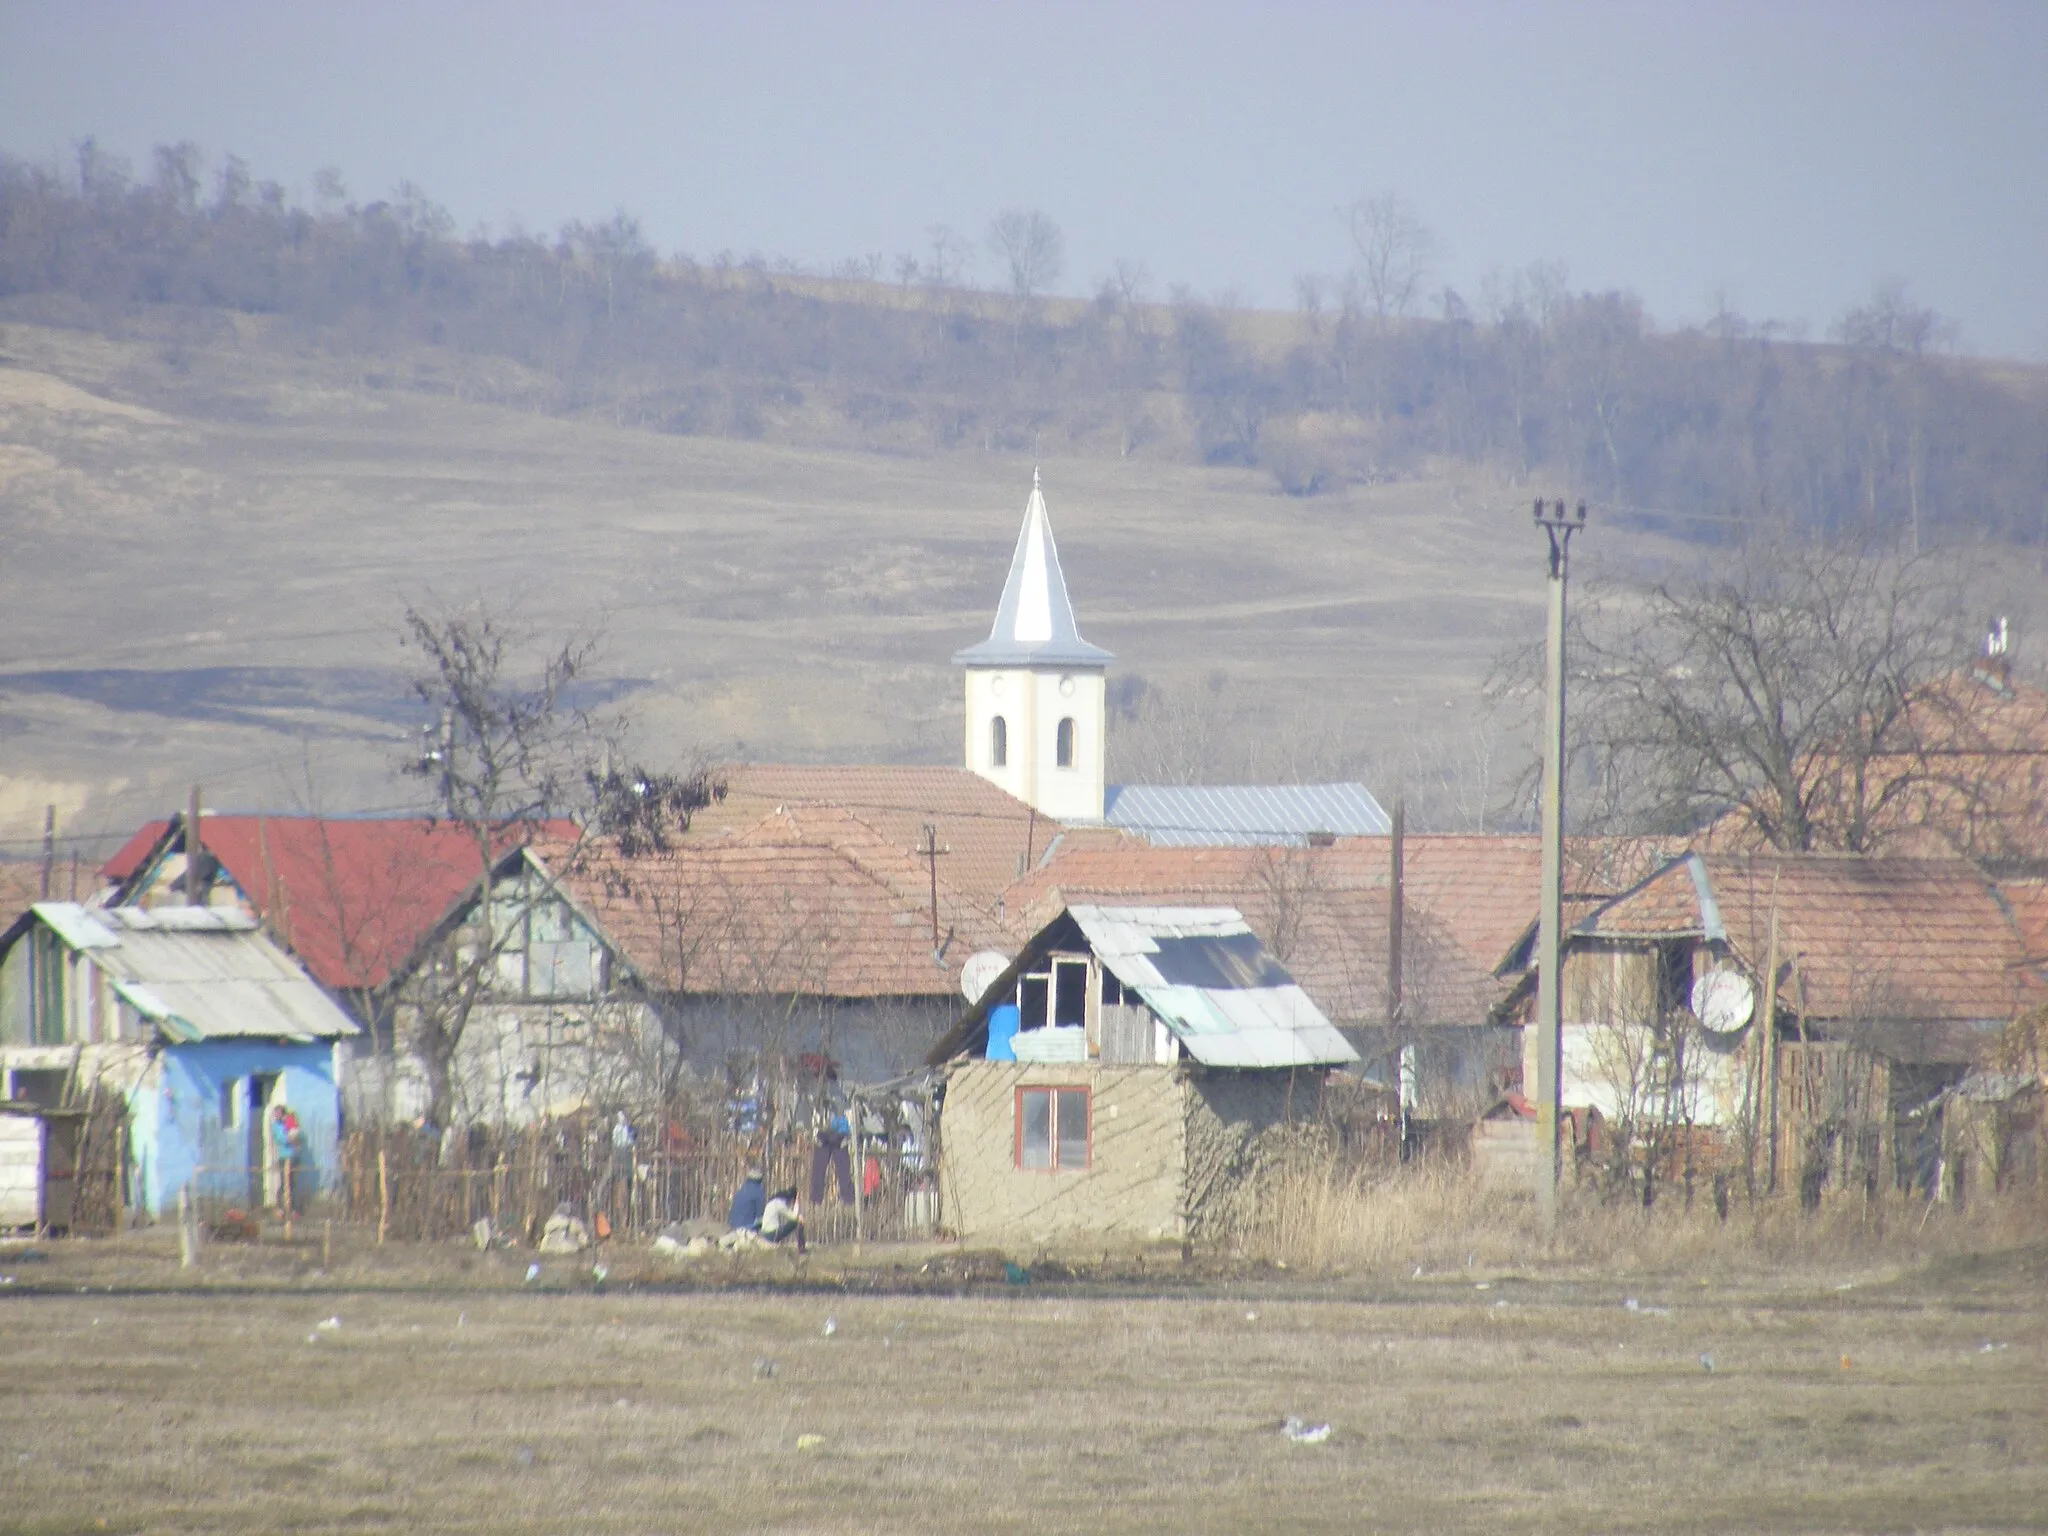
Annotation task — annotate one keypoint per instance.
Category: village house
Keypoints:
(809, 933)
(356, 899)
(1325, 910)
(197, 1020)
(725, 956)
(1125, 1079)
(1880, 983)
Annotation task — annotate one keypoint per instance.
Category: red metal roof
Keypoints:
(350, 897)
(129, 857)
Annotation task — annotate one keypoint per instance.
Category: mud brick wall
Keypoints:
(1130, 1193)
(1242, 1127)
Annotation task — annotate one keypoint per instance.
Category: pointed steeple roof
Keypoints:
(1035, 621)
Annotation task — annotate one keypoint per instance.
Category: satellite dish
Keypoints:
(1723, 1001)
(980, 972)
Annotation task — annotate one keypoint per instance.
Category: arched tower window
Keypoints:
(1063, 744)
(998, 742)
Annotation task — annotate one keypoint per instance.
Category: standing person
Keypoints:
(623, 1142)
(830, 1159)
(285, 1142)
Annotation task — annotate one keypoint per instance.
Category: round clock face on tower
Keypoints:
(995, 684)
(1066, 687)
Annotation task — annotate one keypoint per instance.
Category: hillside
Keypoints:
(208, 557)
(1698, 429)
(237, 436)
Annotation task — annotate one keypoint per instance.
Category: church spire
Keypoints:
(1034, 624)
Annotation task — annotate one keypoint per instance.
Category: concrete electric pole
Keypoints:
(1560, 525)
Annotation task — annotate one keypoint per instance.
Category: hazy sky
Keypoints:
(1786, 155)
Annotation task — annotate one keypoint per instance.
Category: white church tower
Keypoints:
(1035, 707)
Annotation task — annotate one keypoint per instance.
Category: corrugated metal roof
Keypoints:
(200, 974)
(1034, 624)
(74, 925)
(1210, 815)
(1204, 972)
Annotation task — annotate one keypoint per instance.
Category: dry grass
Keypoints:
(1321, 1217)
(467, 1402)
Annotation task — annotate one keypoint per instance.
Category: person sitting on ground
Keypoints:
(780, 1218)
(748, 1203)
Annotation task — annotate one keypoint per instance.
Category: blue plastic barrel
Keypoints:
(1002, 1028)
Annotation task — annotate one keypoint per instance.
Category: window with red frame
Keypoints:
(1052, 1129)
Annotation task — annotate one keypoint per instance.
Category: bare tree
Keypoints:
(615, 252)
(1131, 281)
(952, 254)
(1795, 687)
(1032, 249)
(506, 758)
(1310, 289)
(641, 809)
(1395, 251)
(329, 189)
(1892, 322)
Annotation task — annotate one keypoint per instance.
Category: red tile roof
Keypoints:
(2027, 900)
(809, 901)
(1861, 938)
(1978, 778)
(1324, 910)
(351, 897)
(986, 831)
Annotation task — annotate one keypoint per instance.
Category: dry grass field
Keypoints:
(453, 1397)
(175, 510)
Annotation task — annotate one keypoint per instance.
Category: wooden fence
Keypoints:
(421, 1188)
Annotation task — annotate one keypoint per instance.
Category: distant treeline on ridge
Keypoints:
(1708, 428)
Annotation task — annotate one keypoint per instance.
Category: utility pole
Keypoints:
(931, 851)
(1397, 909)
(1559, 525)
(1766, 1032)
(1397, 923)
(49, 850)
(195, 891)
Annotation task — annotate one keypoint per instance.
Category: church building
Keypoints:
(1036, 727)
(1035, 688)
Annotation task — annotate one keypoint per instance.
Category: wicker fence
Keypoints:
(423, 1188)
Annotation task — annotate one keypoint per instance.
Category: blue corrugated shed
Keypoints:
(1213, 815)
